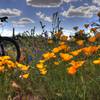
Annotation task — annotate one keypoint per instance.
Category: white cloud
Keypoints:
(86, 4)
(82, 11)
(67, 1)
(6, 32)
(68, 32)
(43, 17)
(48, 3)
(10, 12)
(22, 22)
(96, 2)
(44, 3)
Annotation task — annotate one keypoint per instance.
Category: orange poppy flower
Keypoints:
(77, 64)
(92, 39)
(56, 50)
(48, 55)
(90, 50)
(65, 57)
(63, 47)
(71, 70)
(80, 42)
(76, 52)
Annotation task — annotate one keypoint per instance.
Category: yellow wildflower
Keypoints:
(24, 68)
(96, 61)
(43, 72)
(42, 61)
(18, 65)
(40, 65)
(1, 68)
(56, 63)
(25, 75)
(5, 57)
(10, 64)
(1, 63)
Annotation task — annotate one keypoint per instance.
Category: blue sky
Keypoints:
(25, 14)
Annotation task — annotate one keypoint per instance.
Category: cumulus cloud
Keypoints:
(48, 3)
(10, 12)
(44, 3)
(86, 4)
(82, 11)
(43, 17)
(67, 1)
(96, 2)
(22, 22)
(68, 32)
(7, 32)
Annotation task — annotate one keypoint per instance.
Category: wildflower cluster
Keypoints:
(66, 55)
(6, 64)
